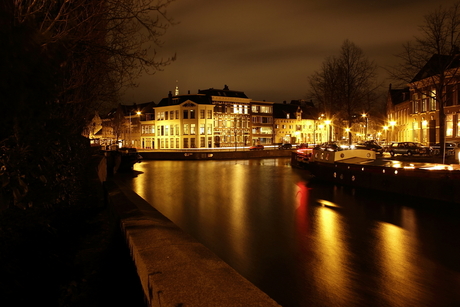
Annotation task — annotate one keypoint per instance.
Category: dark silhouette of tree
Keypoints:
(431, 59)
(345, 85)
(60, 60)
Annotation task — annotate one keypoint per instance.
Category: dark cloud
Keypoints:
(269, 48)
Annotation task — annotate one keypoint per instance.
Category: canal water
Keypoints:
(310, 244)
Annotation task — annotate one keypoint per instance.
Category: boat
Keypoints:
(361, 169)
(121, 159)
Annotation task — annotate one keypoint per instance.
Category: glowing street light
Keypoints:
(364, 115)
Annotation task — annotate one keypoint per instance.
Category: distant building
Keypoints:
(262, 131)
(295, 123)
(232, 118)
(147, 121)
(399, 125)
(212, 118)
(426, 99)
(413, 113)
(94, 130)
(184, 121)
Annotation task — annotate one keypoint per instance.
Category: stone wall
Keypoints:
(174, 269)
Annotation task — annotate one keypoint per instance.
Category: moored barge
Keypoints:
(359, 168)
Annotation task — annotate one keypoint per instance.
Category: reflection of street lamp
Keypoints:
(235, 137)
(328, 134)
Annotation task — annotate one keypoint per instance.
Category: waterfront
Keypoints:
(309, 244)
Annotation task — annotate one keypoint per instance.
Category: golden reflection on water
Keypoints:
(237, 217)
(398, 262)
(331, 271)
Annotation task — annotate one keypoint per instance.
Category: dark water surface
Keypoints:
(310, 244)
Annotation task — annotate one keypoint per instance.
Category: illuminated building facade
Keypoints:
(213, 118)
(232, 118)
(184, 121)
(262, 130)
(399, 125)
(294, 123)
(416, 116)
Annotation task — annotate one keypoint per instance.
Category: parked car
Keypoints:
(370, 145)
(450, 149)
(408, 148)
(256, 147)
(285, 146)
(330, 146)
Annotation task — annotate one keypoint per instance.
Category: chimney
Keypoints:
(170, 97)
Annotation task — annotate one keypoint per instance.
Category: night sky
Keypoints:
(269, 48)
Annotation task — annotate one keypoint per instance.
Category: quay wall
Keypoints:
(174, 269)
(213, 155)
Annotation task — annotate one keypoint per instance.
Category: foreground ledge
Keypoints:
(174, 269)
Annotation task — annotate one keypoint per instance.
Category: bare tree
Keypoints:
(430, 61)
(345, 85)
(60, 60)
(99, 46)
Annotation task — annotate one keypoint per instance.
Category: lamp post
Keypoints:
(347, 130)
(392, 124)
(138, 113)
(385, 128)
(364, 115)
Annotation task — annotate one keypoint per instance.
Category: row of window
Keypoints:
(149, 143)
(186, 114)
(262, 120)
(262, 109)
(231, 123)
(297, 127)
(235, 109)
(219, 123)
(425, 102)
(166, 130)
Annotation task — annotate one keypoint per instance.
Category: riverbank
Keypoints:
(67, 256)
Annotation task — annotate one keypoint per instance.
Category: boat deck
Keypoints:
(388, 163)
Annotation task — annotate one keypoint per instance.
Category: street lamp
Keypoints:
(364, 115)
